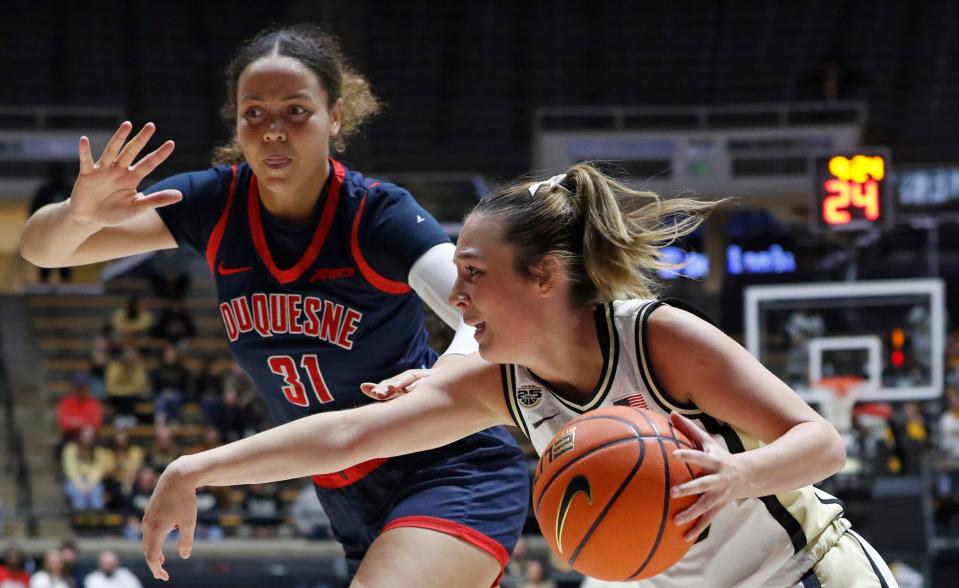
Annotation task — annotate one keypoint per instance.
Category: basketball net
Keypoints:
(838, 399)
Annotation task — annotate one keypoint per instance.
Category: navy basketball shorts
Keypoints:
(476, 489)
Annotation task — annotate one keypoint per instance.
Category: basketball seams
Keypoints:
(575, 461)
(651, 426)
(609, 504)
(666, 487)
(637, 435)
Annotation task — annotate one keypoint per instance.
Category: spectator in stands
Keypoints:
(169, 274)
(85, 464)
(164, 449)
(52, 575)
(171, 380)
(174, 323)
(262, 510)
(952, 360)
(913, 436)
(210, 440)
(78, 408)
(110, 574)
(100, 354)
(137, 501)
(208, 381)
(947, 478)
(207, 388)
(126, 384)
(70, 557)
(309, 518)
(209, 504)
(237, 379)
(13, 569)
(514, 574)
(536, 575)
(232, 417)
(131, 321)
(949, 426)
(54, 189)
(127, 461)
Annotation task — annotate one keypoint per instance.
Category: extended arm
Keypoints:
(105, 217)
(453, 403)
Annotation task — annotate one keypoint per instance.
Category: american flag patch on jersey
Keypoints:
(635, 401)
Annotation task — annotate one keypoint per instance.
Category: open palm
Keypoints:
(105, 193)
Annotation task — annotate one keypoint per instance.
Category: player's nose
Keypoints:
(458, 297)
(274, 133)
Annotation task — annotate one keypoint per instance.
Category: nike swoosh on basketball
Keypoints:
(576, 485)
(229, 271)
(540, 422)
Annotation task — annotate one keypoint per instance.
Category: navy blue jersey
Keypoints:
(310, 324)
(313, 311)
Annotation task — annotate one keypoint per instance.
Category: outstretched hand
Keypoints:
(105, 193)
(172, 506)
(720, 482)
(396, 386)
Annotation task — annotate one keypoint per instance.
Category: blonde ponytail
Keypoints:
(608, 235)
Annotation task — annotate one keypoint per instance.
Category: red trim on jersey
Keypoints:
(216, 237)
(379, 282)
(458, 530)
(285, 276)
(349, 476)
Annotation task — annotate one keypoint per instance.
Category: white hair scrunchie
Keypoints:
(553, 181)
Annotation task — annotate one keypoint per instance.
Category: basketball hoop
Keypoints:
(838, 395)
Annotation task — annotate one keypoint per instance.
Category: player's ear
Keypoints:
(336, 117)
(546, 272)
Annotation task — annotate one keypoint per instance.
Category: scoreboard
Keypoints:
(850, 190)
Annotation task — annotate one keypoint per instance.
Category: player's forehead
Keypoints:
(481, 239)
(278, 77)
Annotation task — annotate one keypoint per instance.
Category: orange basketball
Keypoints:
(601, 494)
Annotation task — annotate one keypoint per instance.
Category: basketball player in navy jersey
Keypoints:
(554, 275)
(317, 271)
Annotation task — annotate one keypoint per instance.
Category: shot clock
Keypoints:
(850, 190)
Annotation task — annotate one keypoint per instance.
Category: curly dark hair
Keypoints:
(321, 53)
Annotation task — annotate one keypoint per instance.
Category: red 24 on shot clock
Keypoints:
(850, 190)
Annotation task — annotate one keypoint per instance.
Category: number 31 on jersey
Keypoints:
(293, 387)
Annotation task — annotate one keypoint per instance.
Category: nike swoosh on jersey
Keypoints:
(419, 219)
(540, 422)
(229, 271)
(576, 485)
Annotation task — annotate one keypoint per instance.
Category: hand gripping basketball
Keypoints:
(105, 193)
(721, 481)
(602, 496)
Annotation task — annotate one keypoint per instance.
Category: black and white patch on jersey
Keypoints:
(529, 396)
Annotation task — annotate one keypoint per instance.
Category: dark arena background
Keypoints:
(833, 125)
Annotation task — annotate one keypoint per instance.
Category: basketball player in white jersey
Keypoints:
(554, 276)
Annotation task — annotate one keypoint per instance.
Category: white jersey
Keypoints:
(756, 542)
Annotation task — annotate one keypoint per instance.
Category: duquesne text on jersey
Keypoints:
(272, 314)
